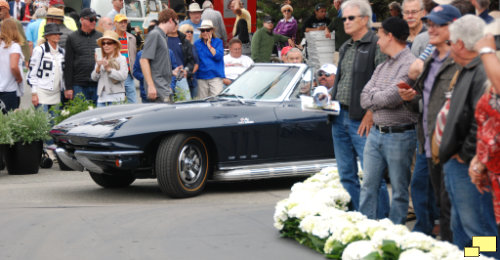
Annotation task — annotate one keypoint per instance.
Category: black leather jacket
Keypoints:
(364, 65)
(460, 131)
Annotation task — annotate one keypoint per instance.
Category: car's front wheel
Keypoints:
(182, 165)
(112, 181)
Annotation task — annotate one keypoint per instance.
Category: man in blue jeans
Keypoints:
(357, 60)
(471, 212)
(392, 140)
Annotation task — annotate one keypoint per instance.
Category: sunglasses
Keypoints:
(322, 73)
(205, 30)
(350, 18)
(191, 32)
(287, 11)
(107, 43)
(92, 20)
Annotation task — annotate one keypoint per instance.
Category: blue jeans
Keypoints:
(10, 99)
(90, 92)
(348, 145)
(130, 91)
(393, 151)
(471, 212)
(422, 196)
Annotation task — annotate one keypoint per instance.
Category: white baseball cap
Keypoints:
(329, 68)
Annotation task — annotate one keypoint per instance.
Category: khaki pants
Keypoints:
(209, 87)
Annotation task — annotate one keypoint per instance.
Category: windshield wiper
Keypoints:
(238, 97)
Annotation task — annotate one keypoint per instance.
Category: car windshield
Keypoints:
(261, 83)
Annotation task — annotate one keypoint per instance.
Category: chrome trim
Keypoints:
(272, 170)
(68, 159)
(84, 158)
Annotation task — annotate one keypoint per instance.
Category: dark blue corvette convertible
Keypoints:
(254, 129)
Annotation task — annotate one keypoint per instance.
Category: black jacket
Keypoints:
(187, 52)
(79, 58)
(460, 131)
(363, 68)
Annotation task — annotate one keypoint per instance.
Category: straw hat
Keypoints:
(55, 13)
(109, 35)
(206, 24)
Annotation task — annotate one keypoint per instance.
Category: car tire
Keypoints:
(112, 181)
(182, 165)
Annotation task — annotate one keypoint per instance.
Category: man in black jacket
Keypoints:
(359, 56)
(80, 59)
(471, 211)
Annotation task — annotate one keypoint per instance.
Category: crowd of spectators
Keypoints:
(423, 87)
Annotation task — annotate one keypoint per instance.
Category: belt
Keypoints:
(344, 107)
(394, 129)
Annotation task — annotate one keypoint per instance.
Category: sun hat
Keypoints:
(55, 13)
(194, 7)
(51, 28)
(206, 24)
(109, 35)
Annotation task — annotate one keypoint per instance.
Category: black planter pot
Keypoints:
(3, 148)
(24, 159)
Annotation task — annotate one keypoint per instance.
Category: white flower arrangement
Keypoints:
(315, 214)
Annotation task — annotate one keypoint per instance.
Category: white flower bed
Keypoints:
(315, 214)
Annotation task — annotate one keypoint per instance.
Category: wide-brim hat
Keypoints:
(194, 7)
(109, 35)
(50, 29)
(55, 13)
(206, 24)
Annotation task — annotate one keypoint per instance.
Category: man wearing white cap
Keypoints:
(194, 20)
(326, 75)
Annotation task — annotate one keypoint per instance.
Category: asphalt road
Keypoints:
(64, 215)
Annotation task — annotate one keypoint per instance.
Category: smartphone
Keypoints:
(403, 85)
(98, 52)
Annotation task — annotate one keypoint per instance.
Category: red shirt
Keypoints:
(488, 131)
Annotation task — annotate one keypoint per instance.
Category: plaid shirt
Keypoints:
(381, 96)
(345, 82)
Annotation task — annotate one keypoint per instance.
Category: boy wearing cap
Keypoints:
(264, 39)
(391, 142)
(429, 90)
(318, 21)
(129, 51)
(80, 58)
(194, 20)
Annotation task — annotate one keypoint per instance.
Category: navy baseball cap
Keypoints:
(443, 14)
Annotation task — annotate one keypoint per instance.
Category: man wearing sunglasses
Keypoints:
(326, 75)
(358, 58)
(79, 58)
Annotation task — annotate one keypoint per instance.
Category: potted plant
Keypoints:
(29, 128)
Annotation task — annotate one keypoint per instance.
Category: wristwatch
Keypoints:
(486, 50)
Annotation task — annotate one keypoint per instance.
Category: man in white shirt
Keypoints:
(234, 62)
(117, 6)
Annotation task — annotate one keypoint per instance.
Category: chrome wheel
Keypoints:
(189, 164)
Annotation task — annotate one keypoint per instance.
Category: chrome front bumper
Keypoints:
(89, 160)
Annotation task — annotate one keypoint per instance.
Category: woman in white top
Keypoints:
(11, 78)
(46, 69)
(110, 71)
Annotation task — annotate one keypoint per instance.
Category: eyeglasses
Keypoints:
(412, 12)
(287, 11)
(107, 43)
(92, 19)
(350, 18)
(434, 25)
(322, 73)
(205, 30)
(191, 32)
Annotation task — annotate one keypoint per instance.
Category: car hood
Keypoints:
(126, 120)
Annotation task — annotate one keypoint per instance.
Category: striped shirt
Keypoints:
(124, 51)
(381, 96)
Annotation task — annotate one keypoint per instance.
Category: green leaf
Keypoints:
(373, 256)
(391, 250)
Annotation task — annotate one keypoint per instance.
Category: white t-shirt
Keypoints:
(7, 81)
(233, 67)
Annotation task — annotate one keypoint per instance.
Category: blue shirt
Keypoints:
(32, 31)
(211, 66)
(175, 45)
(487, 18)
